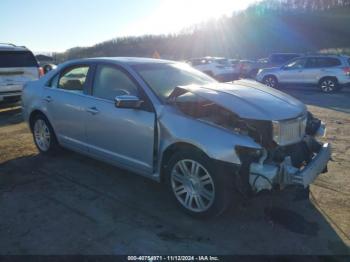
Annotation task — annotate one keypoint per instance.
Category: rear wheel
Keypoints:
(270, 81)
(198, 188)
(44, 136)
(328, 85)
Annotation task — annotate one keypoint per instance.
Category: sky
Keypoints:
(55, 26)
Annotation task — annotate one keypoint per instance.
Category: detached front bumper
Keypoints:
(267, 176)
(317, 166)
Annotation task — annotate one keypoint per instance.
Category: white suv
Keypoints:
(217, 67)
(329, 72)
(17, 66)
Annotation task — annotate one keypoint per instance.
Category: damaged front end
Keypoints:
(289, 153)
(294, 158)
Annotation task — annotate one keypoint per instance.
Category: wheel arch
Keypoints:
(170, 150)
(328, 76)
(34, 114)
(270, 74)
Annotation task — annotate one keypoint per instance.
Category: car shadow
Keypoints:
(10, 114)
(70, 204)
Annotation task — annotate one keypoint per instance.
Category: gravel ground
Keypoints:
(71, 204)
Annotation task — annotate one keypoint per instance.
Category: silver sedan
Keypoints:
(164, 120)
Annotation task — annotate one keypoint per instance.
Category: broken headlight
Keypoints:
(288, 132)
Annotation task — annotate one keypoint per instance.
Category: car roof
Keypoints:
(284, 54)
(123, 60)
(246, 61)
(12, 47)
(325, 55)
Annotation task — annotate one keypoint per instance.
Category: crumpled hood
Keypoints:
(251, 100)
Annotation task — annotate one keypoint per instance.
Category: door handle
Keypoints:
(92, 110)
(48, 99)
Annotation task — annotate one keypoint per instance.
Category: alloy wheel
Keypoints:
(270, 81)
(42, 135)
(328, 85)
(192, 185)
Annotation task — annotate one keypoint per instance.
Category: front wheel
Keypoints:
(44, 136)
(198, 188)
(270, 81)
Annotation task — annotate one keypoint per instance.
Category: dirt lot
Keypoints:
(71, 204)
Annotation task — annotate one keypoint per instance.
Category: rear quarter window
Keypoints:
(17, 59)
(333, 62)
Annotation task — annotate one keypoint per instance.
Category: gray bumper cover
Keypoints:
(265, 176)
(318, 164)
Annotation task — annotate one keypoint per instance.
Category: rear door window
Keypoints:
(321, 62)
(333, 62)
(17, 59)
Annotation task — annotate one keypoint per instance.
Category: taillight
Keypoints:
(41, 71)
(346, 71)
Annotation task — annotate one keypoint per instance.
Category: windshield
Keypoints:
(282, 58)
(164, 78)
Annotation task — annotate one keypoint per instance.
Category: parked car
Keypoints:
(17, 66)
(247, 69)
(234, 62)
(217, 67)
(329, 72)
(48, 67)
(175, 125)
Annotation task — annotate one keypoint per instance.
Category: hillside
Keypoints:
(269, 26)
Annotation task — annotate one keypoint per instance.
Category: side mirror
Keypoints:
(128, 101)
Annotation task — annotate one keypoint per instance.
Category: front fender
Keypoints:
(216, 142)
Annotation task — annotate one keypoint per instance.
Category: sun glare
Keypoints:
(174, 15)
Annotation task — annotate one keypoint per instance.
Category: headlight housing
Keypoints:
(289, 131)
(248, 153)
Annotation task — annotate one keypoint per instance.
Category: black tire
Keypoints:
(270, 81)
(222, 180)
(252, 74)
(301, 194)
(329, 85)
(53, 145)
